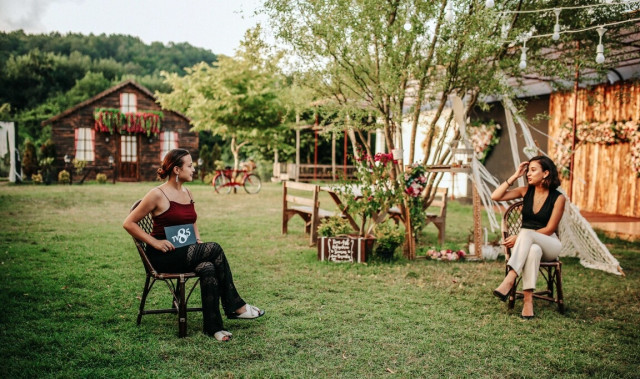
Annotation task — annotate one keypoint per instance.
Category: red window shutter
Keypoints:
(93, 144)
(175, 140)
(75, 141)
(161, 146)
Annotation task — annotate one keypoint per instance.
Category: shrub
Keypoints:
(36, 178)
(64, 177)
(79, 166)
(209, 178)
(388, 238)
(101, 178)
(334, 226)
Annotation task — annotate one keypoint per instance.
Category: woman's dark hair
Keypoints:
(171, 160)
(552, 181)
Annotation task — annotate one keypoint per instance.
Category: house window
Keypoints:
(168, 141)
(128, 149)
(128, 103)
(85, 143)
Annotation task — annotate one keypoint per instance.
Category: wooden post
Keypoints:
(574, 127)
(333, 156)
(477, 223)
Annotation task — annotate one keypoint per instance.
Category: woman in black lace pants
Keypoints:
(171, 204)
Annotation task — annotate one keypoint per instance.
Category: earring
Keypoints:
(177, 181)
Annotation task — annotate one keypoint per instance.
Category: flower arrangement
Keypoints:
(601, 133)
(483, 137)
(375, 193)
(446, 255)
(113, 121)
(415, 179)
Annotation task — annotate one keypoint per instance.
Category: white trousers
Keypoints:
(530, 248)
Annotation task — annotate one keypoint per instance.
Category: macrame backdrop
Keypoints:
(576, 234)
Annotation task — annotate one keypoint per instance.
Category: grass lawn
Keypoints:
(72, 281)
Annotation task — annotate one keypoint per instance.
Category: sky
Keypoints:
(216, 25)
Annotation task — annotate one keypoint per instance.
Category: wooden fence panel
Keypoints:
(604, 180)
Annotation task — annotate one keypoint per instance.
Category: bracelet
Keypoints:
(509, 184)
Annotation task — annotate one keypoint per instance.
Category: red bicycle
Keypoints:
(226, 179)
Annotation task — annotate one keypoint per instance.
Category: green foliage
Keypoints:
(29, 159)
(64, 177)
(79, 166)
(334, 226)
(36, 178)
(101, 178)
(389, 237)
(236, 98)
(375, 191)
(43, 74)
(48, 149)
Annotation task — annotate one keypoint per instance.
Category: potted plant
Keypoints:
(336, 243)
(389, 237)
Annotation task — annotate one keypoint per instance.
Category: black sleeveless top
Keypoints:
(538, 220)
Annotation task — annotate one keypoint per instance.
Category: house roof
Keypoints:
(104, 94)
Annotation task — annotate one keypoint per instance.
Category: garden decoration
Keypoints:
(114, 121)
(375, 192)
(604, 133)
(335, 244)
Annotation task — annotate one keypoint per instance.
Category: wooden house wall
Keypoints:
(604, 180)
(106, 144)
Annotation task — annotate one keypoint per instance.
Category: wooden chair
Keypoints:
(176, 282)
(306, 207)
(438, 218)
(550, 271)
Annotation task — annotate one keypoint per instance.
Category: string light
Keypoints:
(448, 13)
(523, 55)
(556, 27)
(574, 7)
(489, 4)
(600, 48)
(407, 26)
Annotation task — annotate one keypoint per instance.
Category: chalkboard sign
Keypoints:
(181, 235)
(344, 249)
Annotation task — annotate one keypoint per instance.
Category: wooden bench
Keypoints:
(438, 218)
(306, 207)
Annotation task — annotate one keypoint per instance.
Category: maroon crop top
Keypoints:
(177, 214)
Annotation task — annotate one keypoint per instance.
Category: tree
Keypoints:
(237, 98)
(388, 58)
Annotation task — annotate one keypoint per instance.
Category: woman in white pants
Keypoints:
(542, 210)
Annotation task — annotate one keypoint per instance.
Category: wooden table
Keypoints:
(344, 209)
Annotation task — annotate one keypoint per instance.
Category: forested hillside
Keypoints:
(44, 74)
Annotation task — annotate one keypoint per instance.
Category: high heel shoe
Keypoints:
(527, 317)
(503, 297)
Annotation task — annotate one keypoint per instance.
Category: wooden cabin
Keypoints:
(121, 132)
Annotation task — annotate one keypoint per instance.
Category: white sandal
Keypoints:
(222, 334)
(250, 313)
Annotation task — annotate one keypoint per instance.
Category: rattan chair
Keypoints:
(176, 282)
(550, 271)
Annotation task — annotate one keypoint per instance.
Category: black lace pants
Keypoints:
(208, 261)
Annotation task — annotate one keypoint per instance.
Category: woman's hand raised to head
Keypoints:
(522, 169)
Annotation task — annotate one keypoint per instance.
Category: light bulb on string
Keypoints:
(504, 32)
(489, 4)
(556, 27)
(523, 56)
(407, 26)
(600, 48)
(448, 13)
